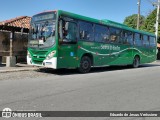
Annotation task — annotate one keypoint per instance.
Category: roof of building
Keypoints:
(15, 23)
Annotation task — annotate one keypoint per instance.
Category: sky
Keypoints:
(115, 10)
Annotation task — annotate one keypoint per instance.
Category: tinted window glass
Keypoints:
(69, 29)
(130, 38)
(145, 41)
(115, 35)
(72, 30)
(86, 31)
(137, 39)
(152, 41)
(127, 38)
(101, 33)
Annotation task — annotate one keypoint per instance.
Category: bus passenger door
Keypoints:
(67, 50)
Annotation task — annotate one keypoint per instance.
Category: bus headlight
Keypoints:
(28, 54)
(50, 55)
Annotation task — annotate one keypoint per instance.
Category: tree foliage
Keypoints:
(146, 23)
(131, 21)
(149, 24)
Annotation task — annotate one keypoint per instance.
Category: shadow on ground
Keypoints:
(93, 70)
(22, 64)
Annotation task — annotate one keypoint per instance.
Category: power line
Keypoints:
(150, 1)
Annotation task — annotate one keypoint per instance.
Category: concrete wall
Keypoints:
(19, 45)
(4, 43)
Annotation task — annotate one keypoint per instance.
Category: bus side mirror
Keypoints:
(66, 26)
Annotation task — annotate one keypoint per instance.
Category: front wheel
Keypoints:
(85, 65)
(136, 62)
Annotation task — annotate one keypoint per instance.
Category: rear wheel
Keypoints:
(136, 62)
(85, 65)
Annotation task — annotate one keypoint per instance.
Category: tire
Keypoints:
(136, 62)
(85, 65)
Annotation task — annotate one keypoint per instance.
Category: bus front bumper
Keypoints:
(51, 63)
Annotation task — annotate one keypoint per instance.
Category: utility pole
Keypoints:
(138, 17)
(157, 19)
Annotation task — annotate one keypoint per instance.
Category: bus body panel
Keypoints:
(101, 54)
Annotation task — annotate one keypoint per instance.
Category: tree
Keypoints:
(146, 24)
(149, 24)
(131, 21)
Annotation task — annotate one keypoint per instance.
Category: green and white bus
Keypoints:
(60, 39)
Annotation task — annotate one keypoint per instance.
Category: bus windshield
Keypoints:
(42, 31)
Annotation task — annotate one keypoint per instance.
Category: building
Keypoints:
(13, 43)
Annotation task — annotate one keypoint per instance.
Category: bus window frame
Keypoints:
(139, 40)
(129, 42)
(115, 36)
(107, 33)
(62, 29)
(146, 43)
(154, 41)
(83, 31)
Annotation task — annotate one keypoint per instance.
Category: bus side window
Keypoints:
(141, 38)
(118, 34)
(130, 38)
(70, 32)
(127, 37)
(137, 39)
(101, 33)
(86, 31)
(67, 30)
(145, 41)
(115, 35)
(152, 42)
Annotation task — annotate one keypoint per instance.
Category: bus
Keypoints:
(60, 39)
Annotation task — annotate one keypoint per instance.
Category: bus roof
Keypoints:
(123, 26)
(104, 22)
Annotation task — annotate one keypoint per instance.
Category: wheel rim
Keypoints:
(136, 62)
(85, 64)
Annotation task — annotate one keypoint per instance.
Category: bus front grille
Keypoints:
(37, 62)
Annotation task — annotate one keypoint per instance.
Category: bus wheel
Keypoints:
(85, 65)
(136, 62)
